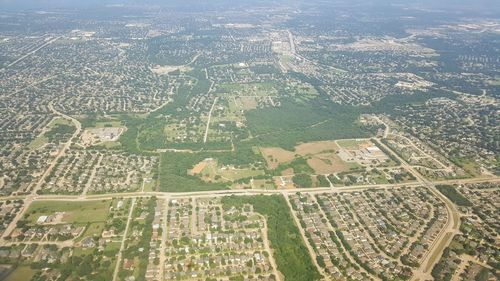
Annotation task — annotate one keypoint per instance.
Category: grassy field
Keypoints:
(21, 273)
(75, 212)
(263, 184)
(454, 196)
(236, 174)
(150, 186)
(211, 171)
(109, 144)
(250, 89)
(469, 166)
(438, 252)
(94, 229)
(352, 143)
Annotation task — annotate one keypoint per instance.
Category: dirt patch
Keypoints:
(198, 168)
(287, 172)
(276, 155)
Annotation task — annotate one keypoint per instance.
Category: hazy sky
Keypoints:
(490, 7)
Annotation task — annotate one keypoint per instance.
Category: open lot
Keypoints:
(276, 155)
(209, 170)
(74, 212)
(93, 136)
(321, 157)
(21, 273)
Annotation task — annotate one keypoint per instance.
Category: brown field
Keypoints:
(279, 154)
(315, 147)
(327, 163)
(287, 172)
(248, 103)
(323, 158)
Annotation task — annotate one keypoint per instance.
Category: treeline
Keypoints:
(386, 151)
(290, 253)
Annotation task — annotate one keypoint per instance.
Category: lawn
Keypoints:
(94, 229)
(75, 212)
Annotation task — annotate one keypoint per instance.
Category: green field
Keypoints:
(75, 212)
(248, 89)
(452, 194)
(214, 172)
(93, 229)
(350, 143)
(21, 273)
(109, 144)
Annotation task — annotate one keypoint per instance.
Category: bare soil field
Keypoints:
(198, 168)
(322, 157)
(276, 155)
(316, 147)
(93, 136)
